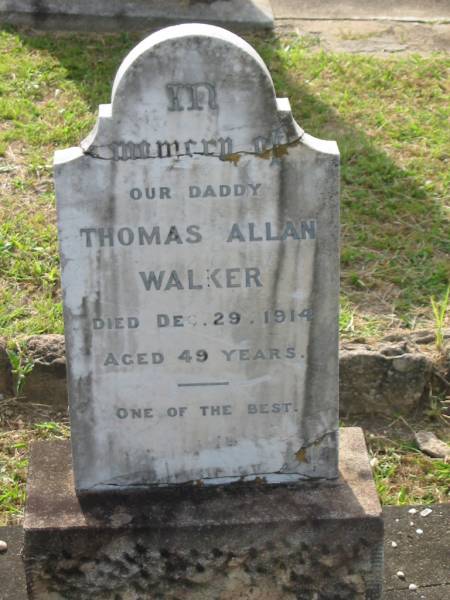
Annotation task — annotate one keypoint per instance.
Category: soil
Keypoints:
(371, 37)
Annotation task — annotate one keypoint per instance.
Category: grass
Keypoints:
(440, 311)
(14, 452)
(404, 476)
(389, 116)
(21, 366)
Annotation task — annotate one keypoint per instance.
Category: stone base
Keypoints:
(135, 15)
(314, 540)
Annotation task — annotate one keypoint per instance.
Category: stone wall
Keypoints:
(396, 375)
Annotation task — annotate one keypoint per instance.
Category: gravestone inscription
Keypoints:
(198, 229)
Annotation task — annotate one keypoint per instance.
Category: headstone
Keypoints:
(198, 229)
(199, 248)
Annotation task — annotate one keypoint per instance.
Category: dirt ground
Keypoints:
(377, 37)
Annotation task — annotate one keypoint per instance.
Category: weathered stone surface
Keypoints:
(254, 541)
(385, 380)
(198, 229)
(6, 381)
(46, 383)
(132, 15)
(432, 445)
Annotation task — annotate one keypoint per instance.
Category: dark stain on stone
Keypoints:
(130, 559)
(40, 11)
(110, 209)
(86, 326)
(140, 549)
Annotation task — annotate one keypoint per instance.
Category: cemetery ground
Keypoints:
(390, 119)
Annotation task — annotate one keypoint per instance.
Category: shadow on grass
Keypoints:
(394, 241)
(90, 60)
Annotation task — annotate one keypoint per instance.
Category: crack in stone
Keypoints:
(256, 478)
(275, 152)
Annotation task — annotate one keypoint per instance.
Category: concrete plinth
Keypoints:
(134, 15)
(319, 540)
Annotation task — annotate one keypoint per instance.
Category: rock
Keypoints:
(394, 349)
(394, 337)
(412, 511)
(419, 531)
(383, 380)
(46, 384)
(428, 338)
(3, 547)
(412, 587)
(6, 380)
(432, 445)
(400, 575)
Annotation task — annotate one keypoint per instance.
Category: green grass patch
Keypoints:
(404, 475)
(14, 452)
(389, 118)
(388, 115)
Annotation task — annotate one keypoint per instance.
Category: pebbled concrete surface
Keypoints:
(12, 574)
(430, 593)
(425, 559)
(402, 10)
(362, 26)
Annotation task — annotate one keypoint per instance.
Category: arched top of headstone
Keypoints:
(193, 82)
(194, 40)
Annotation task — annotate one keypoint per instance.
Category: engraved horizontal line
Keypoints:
(203, 383)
